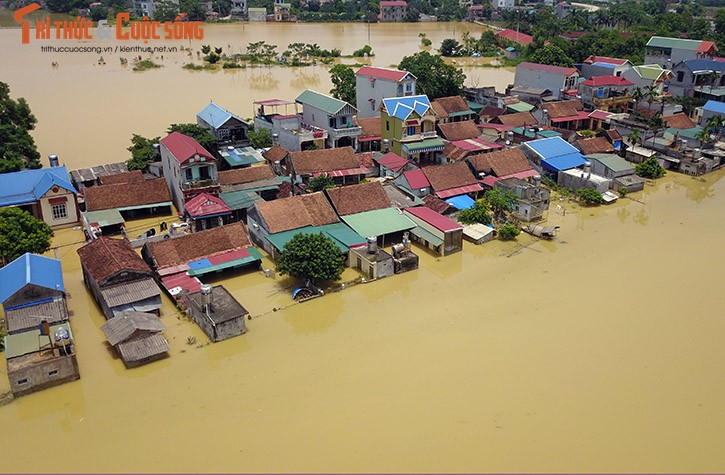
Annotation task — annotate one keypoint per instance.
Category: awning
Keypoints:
(461, 190)
(429, 145)
(228, 260)
(148, 206)
(563, 162)
(106, 217)
(175, 283)
(348, 172)
(426, 236)
(461, 202)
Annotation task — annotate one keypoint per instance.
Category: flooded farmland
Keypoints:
(598, 351)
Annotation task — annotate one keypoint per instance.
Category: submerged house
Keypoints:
(243, 187)
(495, 166)
(224, 125)
(128, 200)
(452, 109)
(281, 118)
(337, 117)
(667, 51)
(341, 164)
(560, 81)
(435, 231)
(137, 337)
(39, 347)
(216, 312)
(408, 123)
(453, 183)
(533, 199)
(118, 278)
(46, 193)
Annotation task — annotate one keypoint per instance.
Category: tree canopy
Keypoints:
(589, 196)
(478, 213)
(551, 54)
(21, 232)
(650, 168)
(142, 152)
(17, 147)
(343, 80)
(260, 138)
(311, 257)
(435, 77)
(321, 182)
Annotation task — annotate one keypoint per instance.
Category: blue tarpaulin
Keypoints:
(461, 202)
(201, 263)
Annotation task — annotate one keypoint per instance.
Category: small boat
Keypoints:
(543, 232)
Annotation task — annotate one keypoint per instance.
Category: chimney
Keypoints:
(53, 159)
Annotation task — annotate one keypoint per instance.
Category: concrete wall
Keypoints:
(577, 178)
(42, 374)
(172, 175)
(377, 90)
(71, 207)
(542, 79)
(31, 293)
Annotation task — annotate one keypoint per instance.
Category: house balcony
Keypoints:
(616, 102)
(309, 132)
(199, 184)
(353, 131)
(421, 136)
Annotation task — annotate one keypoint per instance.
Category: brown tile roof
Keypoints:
(436, 204)
(285, 190)
(129, 177)
(275, 153)
(500, 163)
(105, 257)
(443, 106)
(595, 145)
(198, 245)
(678, 121)
(329, 159)
(612, 135)
(444, 177)
(296, 212)
(127, 194)
(519, 119)
(455, 153)
(453, 131)
(358, 198)
(245, 175)
(563, 108)
(491, 111)
(366, 159)
(370, 127)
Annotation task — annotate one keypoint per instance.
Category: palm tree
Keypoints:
(651, 94)
(637, 95)
(715, 126)
(634, 137)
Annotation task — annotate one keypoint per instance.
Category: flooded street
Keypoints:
(600, 351)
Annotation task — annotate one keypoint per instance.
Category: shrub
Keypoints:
(622, 191)
(650, 168)
(588, 196)
(508, 232)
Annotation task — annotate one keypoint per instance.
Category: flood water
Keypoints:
(598, 351)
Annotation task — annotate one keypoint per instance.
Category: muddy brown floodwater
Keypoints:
(600, 351)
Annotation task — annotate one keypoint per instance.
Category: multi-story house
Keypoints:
(239, 9)
(452, 109)
(649, 77)
(226, 126)
(287, 127)
(393, 10)
(604, 66)
(148, 7)
(188, 167)
(608, 93)
(375, 84)
(562, 82)
(699, 78)
(408, 125)
(337, 117)
(282, 11)
(502, 4)
(562, 10)
(669, 51)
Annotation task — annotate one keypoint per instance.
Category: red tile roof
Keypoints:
(105, 257)
(444, 106)
(436, 204)
(183, 147)
(453, 131)
(548, 68)
(128, 177)
(518, 119)
(516, 37)
(358, 198)
(678, 121)
(595, 145)
(500, 163)
(245, 175)
(205, 204)
(444, 177)
(599, 114)
(433, 218)
(381, 73)
(370, 129)
(296, 212)
(706, 46)
(392, 161)
(416, 179)
(126, 195)
(326, 160)
(274, 154)
(597, 81)
(366, 159)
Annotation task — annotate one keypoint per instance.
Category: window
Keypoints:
(53, 373)
(411, 130)
(387, 125)
(372, 104)
(59, 211)
(332, 123)
(23, 381)
(204, 173)
(680, 76)
(189, 173)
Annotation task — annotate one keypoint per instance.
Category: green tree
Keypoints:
(589, 196)
(551, 54)
(260, 138)
(649, 168)
(501, 201)
(21, 232)
(142, 152)
(343, 81)
(193, 9)
(508, 231)
(166, 10)
(17, 148)
(451, 48)
(311, 257)
(634, 137)
(205, 138)
(435, 77)
(478, 213)
(321, 182)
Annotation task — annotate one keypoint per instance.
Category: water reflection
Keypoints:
(642, 217)
(306, 78)
(699, 189)
(262, 79)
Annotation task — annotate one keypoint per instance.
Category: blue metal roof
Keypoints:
(216, 116)
(714, 106)
(551, 147)
(30, 269)
(461, 202)
(604, 65)
(705, 65)
(564, 162)
(28, 186)
(402, 107)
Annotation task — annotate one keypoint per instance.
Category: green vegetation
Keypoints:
(260, 138)
(424, 40)
(551, 54)
(232, 65)
(478, 213)
(145, 64)
(435, 77)
(319, 183)
(501, 202)
(17, 147)
(622, 191)
(142, 152)
(198, 67)
(589, 196)
(311, 257)
(485, 45)
(366, 50)
(21, 232)
(650, 168)
(343, 81)
(508, 231)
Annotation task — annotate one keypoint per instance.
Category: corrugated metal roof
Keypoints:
(216, 116)
(378, 222)
(123, 326)
(254, 255)
(435, 219)
(402, 107)
(28, 186)
(175, 283)
(563, 162)
(392, 161)
(383, 73)
(551, 147)
(649, 71)
(678, 43)
(520, 107)
(30, 269)
(461, 190)
(321, 101)
(461, 202)
(426, 235)
(416, 179)
(138, 349)
(30, 341)
(104, 217)
(241, 156)
(714, 106)
(130, 292)
(611, 161)
(206, 205)
(241, 199)
(428, 145)
(705, 65)
(183, 147)
(25, 317)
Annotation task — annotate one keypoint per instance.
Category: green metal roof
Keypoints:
(649, 71)
(241, 156)
(28, 342)
(662, 42)
(378, 222)
(526, 132)
(611, 161)
(427, 235)
(341, 235)
(254, 255)
(424, 145)
(520, 107)
(321, 101)
(240, 199)
(460, 113)
(475, 106)
(105, 217)
(684, 133)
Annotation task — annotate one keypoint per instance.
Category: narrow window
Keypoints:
(59, 211)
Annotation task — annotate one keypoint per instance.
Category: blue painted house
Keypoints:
(46, 193)
(711, 109)
(552, 155)
(226, 126)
